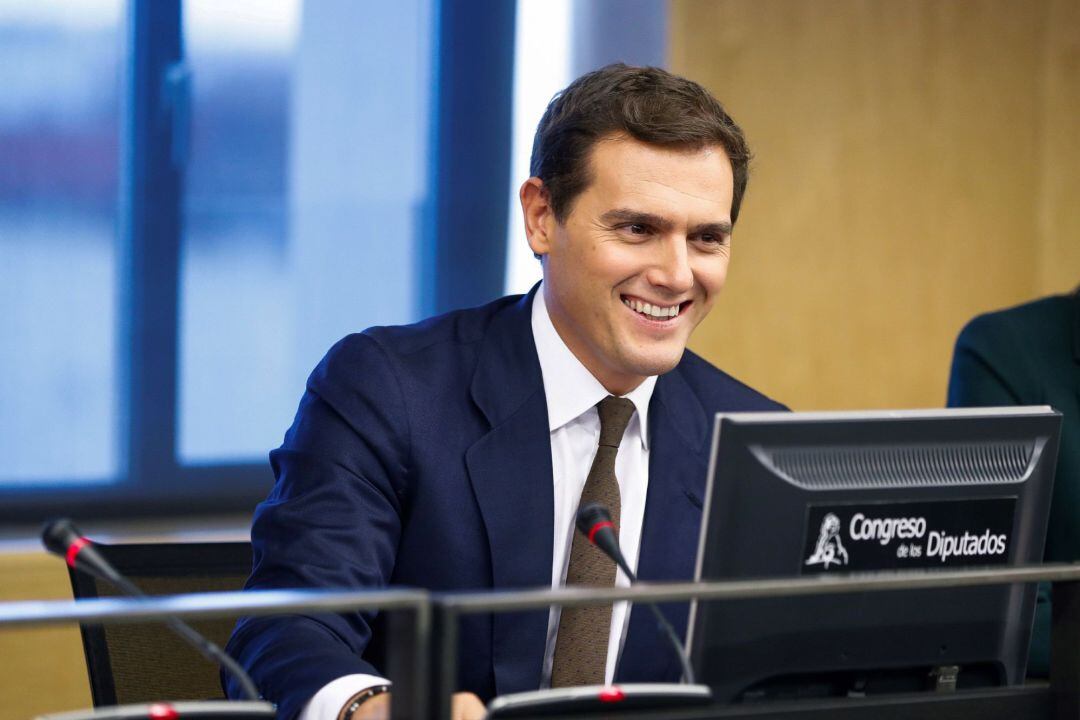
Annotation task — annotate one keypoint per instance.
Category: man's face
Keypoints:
(639, 260)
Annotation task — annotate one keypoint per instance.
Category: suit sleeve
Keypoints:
(333, 520)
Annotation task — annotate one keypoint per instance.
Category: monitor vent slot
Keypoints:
(854, 467)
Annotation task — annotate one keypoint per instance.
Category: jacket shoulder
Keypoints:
(719, 391)
(1041, 326)
(459, 327)
(418, 365)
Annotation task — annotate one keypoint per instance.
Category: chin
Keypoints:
(657, 365)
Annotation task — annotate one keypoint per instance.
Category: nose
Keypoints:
(670, 267)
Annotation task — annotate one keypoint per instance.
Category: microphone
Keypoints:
(594, 522)
(62, 538)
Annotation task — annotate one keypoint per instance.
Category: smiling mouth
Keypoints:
(658, 313)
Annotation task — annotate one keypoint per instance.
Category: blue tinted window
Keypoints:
(305, 189)
(59, 129)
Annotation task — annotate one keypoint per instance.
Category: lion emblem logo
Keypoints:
(829, 550)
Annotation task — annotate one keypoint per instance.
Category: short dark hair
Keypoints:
(646, 103)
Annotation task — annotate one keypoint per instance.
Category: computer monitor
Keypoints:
(798, 494)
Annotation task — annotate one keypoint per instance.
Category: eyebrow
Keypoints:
(625, 215)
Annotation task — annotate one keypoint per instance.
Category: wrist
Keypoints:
(357, 700)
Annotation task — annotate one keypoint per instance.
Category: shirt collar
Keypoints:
(571, 390)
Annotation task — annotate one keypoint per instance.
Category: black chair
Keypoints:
(145, 662)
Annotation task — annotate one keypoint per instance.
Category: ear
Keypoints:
(538, 215)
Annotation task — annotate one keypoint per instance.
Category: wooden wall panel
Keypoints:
(906, 179)
(1059, 201)
(42, 670)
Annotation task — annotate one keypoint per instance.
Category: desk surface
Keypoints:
(1032, 701)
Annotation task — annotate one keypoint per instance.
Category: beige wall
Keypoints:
(41, 669)
(917, 163)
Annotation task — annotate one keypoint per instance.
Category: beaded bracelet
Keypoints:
(362, 698)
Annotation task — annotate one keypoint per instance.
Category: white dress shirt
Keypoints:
(572, 394)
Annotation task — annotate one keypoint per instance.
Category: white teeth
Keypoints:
(653, 311)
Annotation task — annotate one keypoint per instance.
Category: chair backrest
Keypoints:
(146, 662)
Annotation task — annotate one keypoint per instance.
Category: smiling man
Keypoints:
(637, 263)
(453, 454)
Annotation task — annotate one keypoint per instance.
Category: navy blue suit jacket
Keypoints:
(420, 456)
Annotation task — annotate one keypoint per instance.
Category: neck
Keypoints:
(616, 383)
(620, 387)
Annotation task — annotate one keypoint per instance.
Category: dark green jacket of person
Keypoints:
(1030, 355)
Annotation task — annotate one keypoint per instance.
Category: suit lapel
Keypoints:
(510, 472)
(677, 466)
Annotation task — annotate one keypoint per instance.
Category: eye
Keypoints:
(712, 238)
(635, 231)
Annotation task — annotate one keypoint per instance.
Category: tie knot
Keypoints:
(615, 414)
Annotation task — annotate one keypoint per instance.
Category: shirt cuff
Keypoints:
(329, 701)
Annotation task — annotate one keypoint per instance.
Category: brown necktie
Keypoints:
(582, 643)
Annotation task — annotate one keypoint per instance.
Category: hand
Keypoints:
(463, 706)
(466, 706)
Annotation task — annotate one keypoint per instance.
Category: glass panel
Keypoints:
(59, 128)
(542, 41)
(304, 193)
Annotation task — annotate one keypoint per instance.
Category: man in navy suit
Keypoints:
(452, 454)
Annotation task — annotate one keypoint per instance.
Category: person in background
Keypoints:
(1030, 355)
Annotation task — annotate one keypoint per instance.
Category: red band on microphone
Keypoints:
(611, 694)
(74, 549)
(598, 527)
(162, 711)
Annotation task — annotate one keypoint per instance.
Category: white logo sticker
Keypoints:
(829, 550)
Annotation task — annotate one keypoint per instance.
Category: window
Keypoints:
(303, 204)
(197, 199)
(59, 133)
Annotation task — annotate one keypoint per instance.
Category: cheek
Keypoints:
(609, 257)
(711, 275)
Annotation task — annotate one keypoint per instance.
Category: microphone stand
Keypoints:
(61, 537)
(594, 521)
